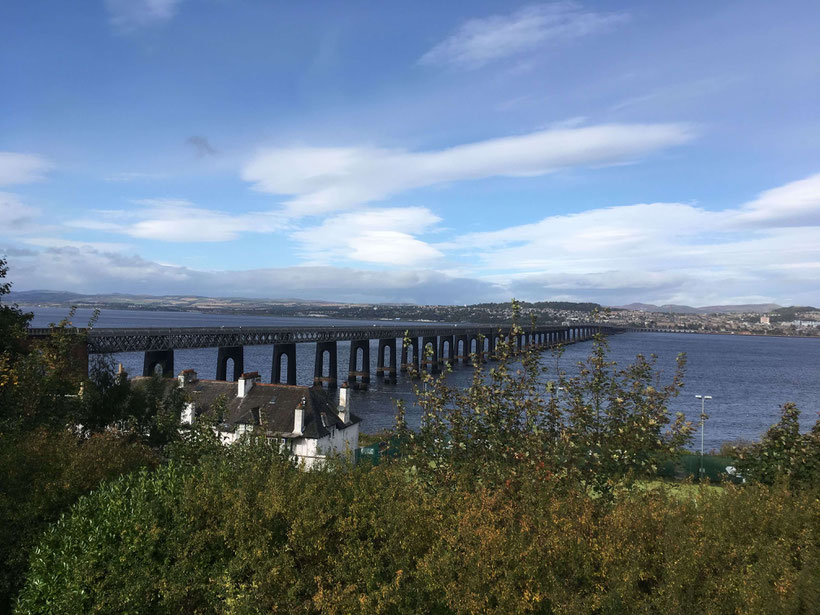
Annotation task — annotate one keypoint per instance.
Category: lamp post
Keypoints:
(702, 399)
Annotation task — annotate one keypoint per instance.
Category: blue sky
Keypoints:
(413, 151)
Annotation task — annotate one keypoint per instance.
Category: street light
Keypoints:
(702, 399)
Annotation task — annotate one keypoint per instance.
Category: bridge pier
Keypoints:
(353, 372)
(237, 353)
(429, 358)
(163, 358)
(390, 369)
(288, 351)
(462, 349)
(318, 367)
(446, 356)
(410, 358)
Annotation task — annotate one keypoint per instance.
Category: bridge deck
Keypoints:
(156, 338)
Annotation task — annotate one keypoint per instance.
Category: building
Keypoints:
(765, 320)
(307, 421)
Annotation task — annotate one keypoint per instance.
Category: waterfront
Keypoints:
(748, 377)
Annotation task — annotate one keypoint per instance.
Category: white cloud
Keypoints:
(794, 204)
(180, 221)
(326, 179)
(379, 236)
(479, 41)
(16, 168)
(132, 14)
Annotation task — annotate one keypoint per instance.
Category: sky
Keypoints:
(425, 152)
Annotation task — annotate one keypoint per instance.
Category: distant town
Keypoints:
(753, 319)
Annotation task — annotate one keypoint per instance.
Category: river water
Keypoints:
(749, 378)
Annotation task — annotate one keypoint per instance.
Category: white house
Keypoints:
(308, 421)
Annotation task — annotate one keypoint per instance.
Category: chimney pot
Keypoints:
(186, 376)
(299, 418)
(344, 404)
(246, 382)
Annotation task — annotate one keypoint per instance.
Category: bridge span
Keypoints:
(422, 347)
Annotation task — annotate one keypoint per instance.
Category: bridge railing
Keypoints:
(128, 339)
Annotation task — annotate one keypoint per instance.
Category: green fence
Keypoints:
(689, 465)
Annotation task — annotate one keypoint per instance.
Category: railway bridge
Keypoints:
(417, 347)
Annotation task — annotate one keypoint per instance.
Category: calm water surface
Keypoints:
(749, 378)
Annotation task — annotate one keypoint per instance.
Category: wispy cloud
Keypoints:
(179, 221)
(133, 14)
(325, 179)
(479, 41)
(133, 177)
(16, 168)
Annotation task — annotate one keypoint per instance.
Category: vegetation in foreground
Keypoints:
(527, 492)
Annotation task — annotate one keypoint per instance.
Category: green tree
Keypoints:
(13, 320)
(784, 453)
(602, 427)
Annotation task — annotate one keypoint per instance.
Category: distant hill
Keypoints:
(756, 308)
(788, 314)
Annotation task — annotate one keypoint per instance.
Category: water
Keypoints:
(749, 378)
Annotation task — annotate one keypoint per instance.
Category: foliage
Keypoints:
(12, 319)
(784, 453)
(44, 472)
(243, 531)
(601, 428)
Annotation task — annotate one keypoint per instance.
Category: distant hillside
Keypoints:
(788, 314)
(757, 308)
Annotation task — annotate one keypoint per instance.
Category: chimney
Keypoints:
(344, 403)
(246, 382)
(299, 418)
(186, 376)
(188, 414)
(122, 375)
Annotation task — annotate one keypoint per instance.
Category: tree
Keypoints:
(784, 453)
(602, 427)
(13, 321)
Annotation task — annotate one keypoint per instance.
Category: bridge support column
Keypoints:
(163, 358)
(353, 373)
(410, 354)
(237, 353)
(389, 370)
(279, 351)
(319, 365)
(446, 356)
(429, 358)
(462, 349)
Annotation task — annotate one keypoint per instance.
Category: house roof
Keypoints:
(271, 406)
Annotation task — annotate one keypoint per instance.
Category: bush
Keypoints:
(44, 473)
(784, 454)
(245, 532)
